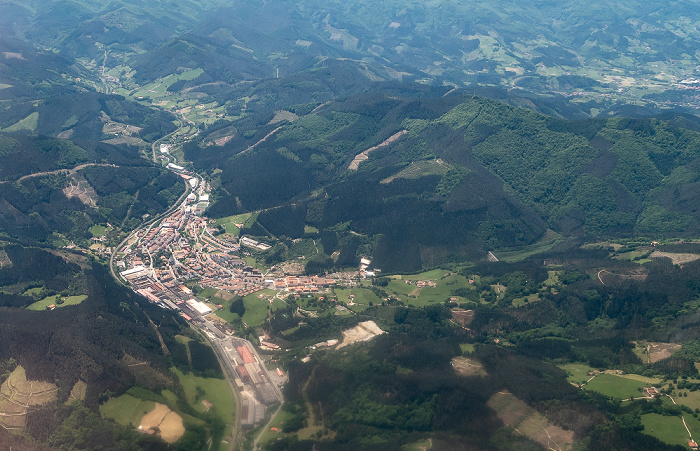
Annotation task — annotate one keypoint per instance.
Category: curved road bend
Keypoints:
(60, 171)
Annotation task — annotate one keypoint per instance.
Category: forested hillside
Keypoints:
(91, 344)
(524, 178)
(463, 175)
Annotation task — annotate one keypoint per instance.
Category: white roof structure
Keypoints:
(199, 306)
(175, 167)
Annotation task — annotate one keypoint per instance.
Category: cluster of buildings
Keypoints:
(301, 285)
(252, 378)
(421, 283)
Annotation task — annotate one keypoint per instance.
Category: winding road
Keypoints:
(60, 171)
(220, 355)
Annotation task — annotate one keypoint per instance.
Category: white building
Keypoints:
(175, 167)
(200, 307)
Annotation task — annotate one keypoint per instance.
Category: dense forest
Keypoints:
(468, 174)
(94, 342)
(403, 387)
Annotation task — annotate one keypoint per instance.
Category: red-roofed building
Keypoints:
(245, 354)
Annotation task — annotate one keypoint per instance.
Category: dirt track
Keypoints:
(59, 171)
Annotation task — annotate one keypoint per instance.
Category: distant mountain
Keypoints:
(630, 50)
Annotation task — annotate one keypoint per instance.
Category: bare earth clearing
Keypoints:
(359, 158)
(167, 423)
(660, 351)
(362, 332)
(468, 367)
(678, 259)
(77, 392)
(80, 188)
(18, 395)
(607, 277)
(528, 422)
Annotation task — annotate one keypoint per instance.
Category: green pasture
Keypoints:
(33, 291)
(126, 410)
(418, 446)
(576, 372)
(28, 123)
(255, 308)
(98, 230)
(520, 302)
(467, 348)
(445, 281)
(692, 400)
(44, 303)
(670, 429)
(362, 296)
(278, 422)
(310, 229)
(216, 391)
(616, 386)
(548, 241)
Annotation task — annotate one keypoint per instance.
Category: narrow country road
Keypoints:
(60, 171)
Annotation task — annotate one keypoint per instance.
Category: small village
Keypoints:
(184, 247)
(159, 259)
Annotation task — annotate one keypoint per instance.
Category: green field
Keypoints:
(553, 278)
(170, 397)
(277, 422)
(216, 391)
(433, 274)
(577, 372)
(548, 241)
(28, 123)
(310, 229)
(670, 429)
(616, 386)
(182, 339)
(126, 410)
(98, 230)
(358, 308)
(647, 381)
(255, 308)
(446, 283)
(362, 296)
(44, 303)
(228, 223)
(33, 291)
(692, 400)
(520, 302)
(467, 348)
